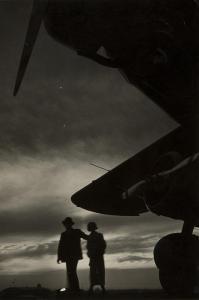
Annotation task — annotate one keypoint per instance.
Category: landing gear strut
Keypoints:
(177, 258)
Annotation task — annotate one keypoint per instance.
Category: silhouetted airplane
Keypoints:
(155, 44)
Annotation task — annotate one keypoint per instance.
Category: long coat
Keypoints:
(70, 244)
(96, 246)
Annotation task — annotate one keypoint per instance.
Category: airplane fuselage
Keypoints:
(153, 42)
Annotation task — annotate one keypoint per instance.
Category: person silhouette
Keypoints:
(70, 252)
(96, 246)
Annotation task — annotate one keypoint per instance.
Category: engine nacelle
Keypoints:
(175, 192)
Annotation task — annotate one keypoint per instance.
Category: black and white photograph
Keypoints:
(99, 138)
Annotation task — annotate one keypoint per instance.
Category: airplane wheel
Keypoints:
(175, 250)
(178, 281)
(177, 260)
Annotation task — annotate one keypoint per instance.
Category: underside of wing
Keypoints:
(104, 195)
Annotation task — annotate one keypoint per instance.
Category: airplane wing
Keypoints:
(104, 195)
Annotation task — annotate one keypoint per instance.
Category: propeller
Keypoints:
(37, 14)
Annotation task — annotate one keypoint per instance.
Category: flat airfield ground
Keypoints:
(129, 295)
(109, 295)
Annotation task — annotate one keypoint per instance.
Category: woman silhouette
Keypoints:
(96, 246)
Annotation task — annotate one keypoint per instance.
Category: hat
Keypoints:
(92, 226)
(68, 221)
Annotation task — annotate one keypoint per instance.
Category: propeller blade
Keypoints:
(37, 14)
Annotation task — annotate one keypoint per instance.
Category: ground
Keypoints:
(111, 294)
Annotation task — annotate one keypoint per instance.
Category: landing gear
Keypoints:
(178, 281)
(177, 258)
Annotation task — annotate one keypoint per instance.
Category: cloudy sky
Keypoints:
(69, 113)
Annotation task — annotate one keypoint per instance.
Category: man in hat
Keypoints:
(69, 251)
(96, 246)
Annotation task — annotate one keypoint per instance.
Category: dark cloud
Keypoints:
(39, 220)
(134, 258)
(33, 251)
(131, 244)
(44, 219)
(38, 251)
(145, 224)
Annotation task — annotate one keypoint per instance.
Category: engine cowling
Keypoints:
(174, 192)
